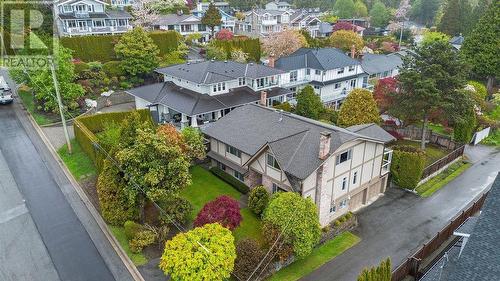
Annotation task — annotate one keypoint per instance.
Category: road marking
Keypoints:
(13, 213)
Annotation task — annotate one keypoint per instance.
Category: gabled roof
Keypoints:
(293, 139)
(373, 131)
(375, 63)
(60, 2)
(172, 19)
(322, 59)
(209, 72)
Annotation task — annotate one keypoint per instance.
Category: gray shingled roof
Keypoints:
(294, 140)
(480, 259)
(374, 63)
(373, 131)
(209, 72)
(173, 19)
(191, 103)
(322, 59)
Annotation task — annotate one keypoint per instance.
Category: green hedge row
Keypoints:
(249, 46)
(86, 127)
(241, 187)
(101, 48)
(407, 166)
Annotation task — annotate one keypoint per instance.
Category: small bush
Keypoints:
(241, 187)
(176, 208)
(142, 239)
(224, 210)
(325, 229)
(348, 215)
(248, 256)
(407, 166)
(131, 229)
(80, 67)
(258, 200)
(342, 219)
(337, 223)
(113, 69)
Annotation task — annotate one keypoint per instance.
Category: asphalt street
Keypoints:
(74, 246)
(398, 223)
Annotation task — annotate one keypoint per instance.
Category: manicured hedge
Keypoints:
(407, 166)
(249, 46)
(101, 48)
(86, 127)
(241, 187)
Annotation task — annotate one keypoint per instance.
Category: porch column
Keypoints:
(184, 121)
(194, 121)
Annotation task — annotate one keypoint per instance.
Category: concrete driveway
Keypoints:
(399, 222)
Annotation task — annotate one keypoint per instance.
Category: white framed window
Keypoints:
(308, 71)
(317, 72)
(351, 68)
(355, 177)
(271, 161)
(316, 87)
(67, 8)
(343, 203)
(340, 71)
(344, 156)
(344, 183)
(71, 24)
(333, 207)
(277, 188)
(238, 175)
(98, 23)
(338, 85)
(234, 151)
(241, 81)
(221, 166)
(353, 83)
(293, 76)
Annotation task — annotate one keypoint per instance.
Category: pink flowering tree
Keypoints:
(224, 210)
(283, 43)
(224, 34)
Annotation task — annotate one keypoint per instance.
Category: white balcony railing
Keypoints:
(81, 14)
(270, 22)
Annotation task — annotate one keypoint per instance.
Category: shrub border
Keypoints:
(238, 185)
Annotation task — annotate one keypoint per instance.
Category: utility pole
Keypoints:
(59, 102)
(401, 34)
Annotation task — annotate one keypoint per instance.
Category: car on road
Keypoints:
(5, 92)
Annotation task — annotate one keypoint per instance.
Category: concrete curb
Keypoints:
(134, 272)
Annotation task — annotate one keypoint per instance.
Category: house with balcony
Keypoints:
(278, 5)
(90, 17)
(228, 21)
(198, 93)
(307, 19)
(331, 72)
(340, 169)
(379, 66)
(223, 6)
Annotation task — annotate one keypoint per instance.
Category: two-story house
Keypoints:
(332, 73)
(199, 93)
(90, 17)
(185, 24)
(379, 66)
(228, 21)
(278, 5)
(340, 169)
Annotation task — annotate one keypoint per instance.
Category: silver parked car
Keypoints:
(5, 92)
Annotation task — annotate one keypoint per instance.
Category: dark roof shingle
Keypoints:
(322, 59)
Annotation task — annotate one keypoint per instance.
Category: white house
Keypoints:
(90, 17)
(332, 73)
(379, 66)
(340, 169)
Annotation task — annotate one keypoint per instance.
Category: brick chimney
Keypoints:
(271, 61)
(263, 98)
(324, 144)
(353, 51)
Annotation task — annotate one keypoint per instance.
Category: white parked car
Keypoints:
(5, 92)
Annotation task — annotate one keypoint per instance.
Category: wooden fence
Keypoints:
(434, 167)
(412, 264)
(415, 133)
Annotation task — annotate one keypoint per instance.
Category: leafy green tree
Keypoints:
(456, 17)
(195, 143)
(137, 51)
(424, 11)
(431, 80)
(344, 9)
(308, 103)
(298, 220)
(204, 253)
(360, 9)
(358, 108)
(258, 199)
(345, 39)
(480, 48)
(464, 129)
(379, 15)
(433, 36)
(380, 273)
(212, 18)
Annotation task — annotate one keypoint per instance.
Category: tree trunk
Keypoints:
(424, 129)
(212, 31)
(489, 86)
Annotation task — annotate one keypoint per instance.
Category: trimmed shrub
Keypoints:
(115, 204)
(248, 256)
(113, 69)
(142, 239)
(463, 130)
(407, 166)
(224, 210)
(131, 229)
(271, 233)
(80, 67)
(380, 273)
(176, 208)
(258, 200)
(241, 187)
(247, 45)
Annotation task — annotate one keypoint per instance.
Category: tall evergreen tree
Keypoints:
(212, 18)
(344, 9)
(477, 12)
(424, 11)
(379, 15)
(456, 17)
(480, 48)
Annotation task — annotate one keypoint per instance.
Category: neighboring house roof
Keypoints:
(480, 257)
(333, 81)
(293, 139)
(173, 19)
(108, 14)
(373, 131)
(322, 59)
(325, 28)
(60, 2)
(209, 72)
(375, 63)
(192, 103)
(118, 14)
(457, 40)
(261, 12)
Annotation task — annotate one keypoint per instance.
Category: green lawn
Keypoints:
(119, 233)
(493, 138)
(206, 187)
(428, 188)
(318, 257)
(433, 152)
(78, 163)
(41, 119)
(438, 128)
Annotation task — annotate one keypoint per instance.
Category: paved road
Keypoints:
(398, 223)
(77, 248)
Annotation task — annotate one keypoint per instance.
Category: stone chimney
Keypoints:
(263, 98)
(353, 51)
(271, 61)
(324, 144)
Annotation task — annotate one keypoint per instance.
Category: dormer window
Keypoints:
(67, 8)
(241, 81)
(271, 161)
